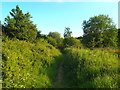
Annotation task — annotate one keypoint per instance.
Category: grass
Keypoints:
(86, 68)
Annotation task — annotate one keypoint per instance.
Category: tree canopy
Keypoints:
(98, 30)
(67, 32)
(54, 35)
(55, 39)
(19, 25)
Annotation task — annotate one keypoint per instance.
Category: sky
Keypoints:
(55, 16)
(60, 0)
(119, 14)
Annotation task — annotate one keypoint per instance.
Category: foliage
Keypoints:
(25, 64)
(43, 36)
(118, 37)
(86, 68)
(71, 42)
(98, 30)
(0, 62)
(38, 34)
(20, 26)
(55, 39)
(54, 35)
(52, 41)
(29, 61)
(67, 32)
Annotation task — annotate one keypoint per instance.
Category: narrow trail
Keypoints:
(59, 78)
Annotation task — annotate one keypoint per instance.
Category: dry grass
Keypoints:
(109, 50)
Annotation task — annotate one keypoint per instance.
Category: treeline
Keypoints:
(99, 31)
(30, 58)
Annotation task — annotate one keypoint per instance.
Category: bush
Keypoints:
(52, 41)
(24, 64)
(58, 43)
(91, 68)
(71, 42)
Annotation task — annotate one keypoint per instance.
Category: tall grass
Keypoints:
(86, 68)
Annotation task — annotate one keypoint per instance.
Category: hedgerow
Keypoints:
(24, 64)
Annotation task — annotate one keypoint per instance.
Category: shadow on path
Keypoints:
(59, 77)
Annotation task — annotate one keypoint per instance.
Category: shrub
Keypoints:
(52, 41)
(71, 42)
(24, 64)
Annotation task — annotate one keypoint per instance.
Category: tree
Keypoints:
(67, 32)
(98, 30)
(20, 26)
(38, 34)
(55, 39)
(54, 35)
(0, 29)
(71, 42)
(119, 37)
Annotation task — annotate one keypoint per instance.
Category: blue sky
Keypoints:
(55, 16)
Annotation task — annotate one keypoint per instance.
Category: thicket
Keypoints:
(25, 64)
(86, 68)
